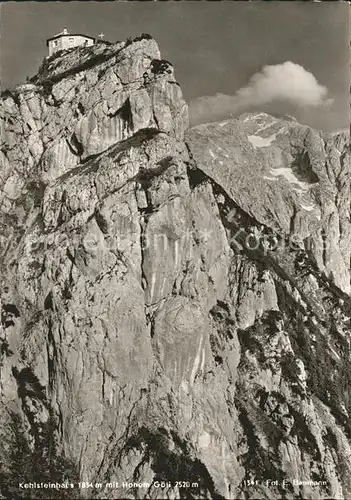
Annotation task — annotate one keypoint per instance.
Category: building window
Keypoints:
(71, 40)
(55, 43)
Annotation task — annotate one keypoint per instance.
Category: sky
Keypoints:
(298, 49)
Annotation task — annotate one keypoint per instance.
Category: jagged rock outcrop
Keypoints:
(173, 308)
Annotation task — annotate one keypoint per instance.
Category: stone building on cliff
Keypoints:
(66, 40)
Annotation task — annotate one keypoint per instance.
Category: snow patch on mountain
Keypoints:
(261, 142)
(289, 175)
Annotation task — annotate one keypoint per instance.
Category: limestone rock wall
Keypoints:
(140, 340)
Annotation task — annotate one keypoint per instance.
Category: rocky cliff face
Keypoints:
(173, 308)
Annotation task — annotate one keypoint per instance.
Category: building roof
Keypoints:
(60, 35)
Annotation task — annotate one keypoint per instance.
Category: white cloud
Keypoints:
(287, 82)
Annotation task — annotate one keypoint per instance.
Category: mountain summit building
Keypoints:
(66, 40)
